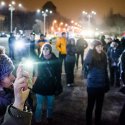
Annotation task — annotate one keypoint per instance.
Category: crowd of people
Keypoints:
(103, 66)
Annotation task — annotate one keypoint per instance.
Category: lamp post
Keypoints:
(89, 16)
(44, 14)
(11, 8)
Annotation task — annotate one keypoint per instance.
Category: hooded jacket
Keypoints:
(48, 81)
(61, 45)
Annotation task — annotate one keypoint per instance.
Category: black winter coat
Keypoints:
(6, 98)
(49, 77)
(97, 71)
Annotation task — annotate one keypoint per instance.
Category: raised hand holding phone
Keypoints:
(27, 66)
(21, 90)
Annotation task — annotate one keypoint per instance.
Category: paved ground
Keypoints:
(70, 106)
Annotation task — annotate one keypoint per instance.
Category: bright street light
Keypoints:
(2, 3)
(44, 14)
(11, 8)
(53, 28)
(89, 15)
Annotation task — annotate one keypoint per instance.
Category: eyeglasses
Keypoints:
(45, 48)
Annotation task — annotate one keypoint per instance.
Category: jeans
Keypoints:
(41, 100)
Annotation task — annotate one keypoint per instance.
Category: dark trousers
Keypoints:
(122, 116)
(69, 72)
(77, 58)
(114, 76)
(95, 98)
(11, 51)
(62, 58)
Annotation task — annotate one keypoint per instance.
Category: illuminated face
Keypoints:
(72, 42)
(42, 37)
(8, 81)
(46, 51)
(99, 48)
(32, 37)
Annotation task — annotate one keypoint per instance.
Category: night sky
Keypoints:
(73, 8)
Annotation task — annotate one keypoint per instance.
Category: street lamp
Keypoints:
(53, 28)
(44, 14)
(2, 3)
(89, 15)
(89, 32)
(11, 8)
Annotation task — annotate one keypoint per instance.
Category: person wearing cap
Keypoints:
(32, 43)
(97, 81)
(12, 103)
(113, 53)
(40, 43)
(61, 44)
(48, 83)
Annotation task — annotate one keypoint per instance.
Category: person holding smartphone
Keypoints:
(48, 84)
(12, 103)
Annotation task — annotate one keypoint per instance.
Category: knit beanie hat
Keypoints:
(2, 50)
(42, 35)
(96, 43)
(6, 66)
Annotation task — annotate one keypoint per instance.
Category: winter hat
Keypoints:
(114, 44)
(63, 33)
(6, 66)
(42, 35)
(96, 43)
(2, 50)
(48, 45)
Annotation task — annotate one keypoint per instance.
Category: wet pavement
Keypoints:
(70, 106)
